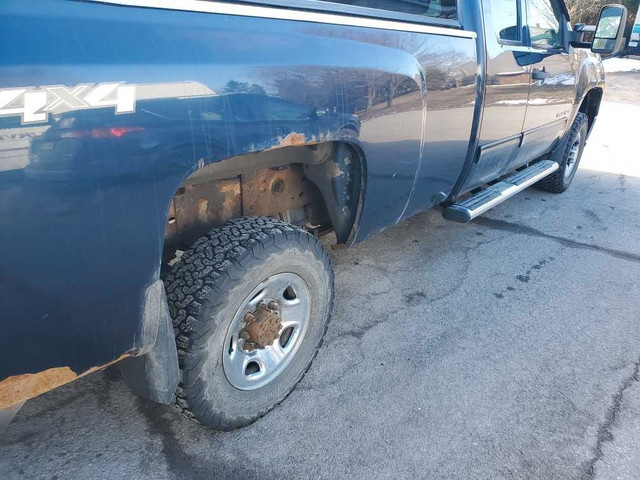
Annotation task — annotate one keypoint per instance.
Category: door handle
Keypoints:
(539, 74)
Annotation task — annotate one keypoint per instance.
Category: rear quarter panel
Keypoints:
(81, 237)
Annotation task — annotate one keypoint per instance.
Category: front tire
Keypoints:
(560, 180)
(250, 303)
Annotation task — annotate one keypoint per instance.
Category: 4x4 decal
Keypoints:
(33, 104)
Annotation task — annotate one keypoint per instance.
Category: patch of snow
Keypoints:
(613, 65)
(534, 101)
(511, 102)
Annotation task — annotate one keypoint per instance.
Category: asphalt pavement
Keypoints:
(508, 348)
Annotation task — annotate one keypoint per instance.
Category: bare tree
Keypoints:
(585, 11)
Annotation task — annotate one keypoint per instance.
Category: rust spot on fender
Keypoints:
(19, 388)
(203, 207)
(292, 139)
(193, 213)
(270, 191)
(102, 367)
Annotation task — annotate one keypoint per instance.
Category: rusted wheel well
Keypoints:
(591, 105)
(317, 187)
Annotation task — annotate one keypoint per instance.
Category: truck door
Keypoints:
(552, 78)
(506, 93)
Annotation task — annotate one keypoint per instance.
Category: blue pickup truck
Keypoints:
(166, 167)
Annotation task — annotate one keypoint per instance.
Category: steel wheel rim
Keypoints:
(572, 158)
(249, 370)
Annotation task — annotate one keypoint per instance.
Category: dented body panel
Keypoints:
(109, 114)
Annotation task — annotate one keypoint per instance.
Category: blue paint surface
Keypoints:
(84, 195)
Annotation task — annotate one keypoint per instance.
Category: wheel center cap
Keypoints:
(261, 327)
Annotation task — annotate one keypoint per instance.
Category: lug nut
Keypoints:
(273, 306)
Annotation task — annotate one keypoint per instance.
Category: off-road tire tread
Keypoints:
(554, 183)
(211, 267)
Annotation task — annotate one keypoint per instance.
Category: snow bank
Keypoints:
(613, 65)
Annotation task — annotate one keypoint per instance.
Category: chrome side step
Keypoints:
(488, 198)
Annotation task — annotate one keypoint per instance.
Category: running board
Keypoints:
(488, 198)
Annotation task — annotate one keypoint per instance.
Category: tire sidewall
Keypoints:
(203, 375)
(566, 181)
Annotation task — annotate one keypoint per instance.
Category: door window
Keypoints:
(504, 15)
(427, 8)
(544, 18)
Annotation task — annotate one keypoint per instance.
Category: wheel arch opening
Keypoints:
(318, 187)
(591, 105)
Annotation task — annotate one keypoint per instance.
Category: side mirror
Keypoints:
(509, 33)
(610, 30)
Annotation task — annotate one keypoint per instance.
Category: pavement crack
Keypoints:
(519, 229)
(359, 332)
(605, 429)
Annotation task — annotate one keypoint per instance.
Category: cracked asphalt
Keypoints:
(508, 348)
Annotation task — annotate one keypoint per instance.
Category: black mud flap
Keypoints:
(154, 374)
